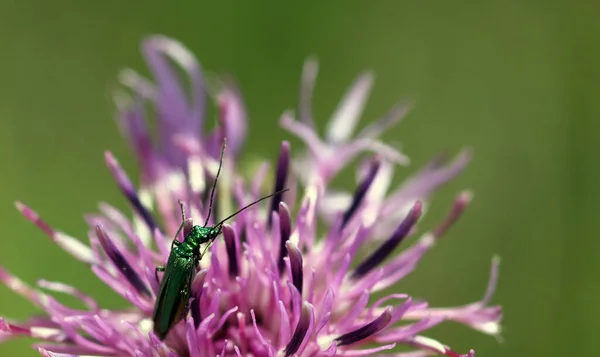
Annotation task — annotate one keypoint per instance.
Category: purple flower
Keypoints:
(274, 285)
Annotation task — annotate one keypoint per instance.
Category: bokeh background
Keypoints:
(516, 80)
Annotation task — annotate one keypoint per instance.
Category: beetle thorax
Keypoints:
(197, 236)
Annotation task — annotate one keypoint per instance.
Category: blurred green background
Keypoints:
(518, 81)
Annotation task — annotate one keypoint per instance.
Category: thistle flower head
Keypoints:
(274, 285)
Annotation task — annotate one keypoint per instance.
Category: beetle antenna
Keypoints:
(250, 205)
(212, 192)
(182, 210)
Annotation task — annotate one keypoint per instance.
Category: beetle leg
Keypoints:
(177, 234)
(157, 270)
(186, 306)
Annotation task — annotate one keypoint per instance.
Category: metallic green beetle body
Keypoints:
(172, 302)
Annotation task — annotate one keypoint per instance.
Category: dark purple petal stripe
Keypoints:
(389, 245)
(300, 332)
(119, 261)
(128, 190)
(296, 264)
(283, 164)
(232, 254)
(361, 191)
(367, 330)
(285, 228)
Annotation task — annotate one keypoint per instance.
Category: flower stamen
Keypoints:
(361, 190)
(285, 230)
(283, 163)
(128, 190)
(388, 246)
(367, 330)
(304, 324)
(295, 256)
(121, 263)
(232, 251)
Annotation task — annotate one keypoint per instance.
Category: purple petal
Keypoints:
(196, 291)
(264, 342)
(19, 286)
(358, 308)
(66, 289)
(12, 328)
(47, 353)
(434, 346)
(426, 181)
(460, 204)
(219, 325)
(326, 309)
(192, 339)
(406, 332)
(175, 114)
(284, 326)
(188, 224)
(368, 351)
(304, 132)
(233, 115)
(71, 245)
(131, 120)
(396, 114)
(493, 282)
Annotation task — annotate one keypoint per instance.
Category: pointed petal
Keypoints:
(307, 87)
(343, 122)
(233, 115)
(396, 114)
(388, 246)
